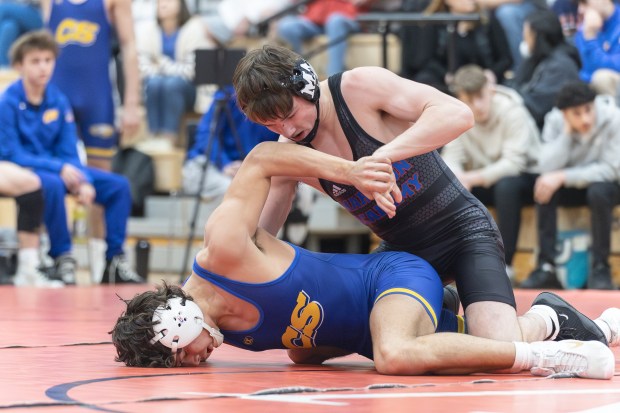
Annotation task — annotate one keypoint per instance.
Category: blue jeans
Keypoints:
(113, 194)
(15, 20)
(296, 29)
(167, 99)
(512, 17)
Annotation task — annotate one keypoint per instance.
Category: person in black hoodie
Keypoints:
(482, 43)
(550, 62)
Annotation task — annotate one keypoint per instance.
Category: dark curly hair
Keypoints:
(134, 329)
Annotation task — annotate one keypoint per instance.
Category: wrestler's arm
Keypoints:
(371, 175)
(279, 201)
(278, 204)
(437, 117)
(231, 229)
(316, 355)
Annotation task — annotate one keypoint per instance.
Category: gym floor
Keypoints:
(57, 357)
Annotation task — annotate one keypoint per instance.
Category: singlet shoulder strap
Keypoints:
(351, 128)
(347, 122)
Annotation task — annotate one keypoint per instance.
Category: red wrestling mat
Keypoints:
(56, 356)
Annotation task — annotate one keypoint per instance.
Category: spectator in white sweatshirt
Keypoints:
(495, 159)
(579, 165)
(166, 56)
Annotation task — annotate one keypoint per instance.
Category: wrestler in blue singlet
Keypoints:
(437, 220)
(326, 299)
(83, 32)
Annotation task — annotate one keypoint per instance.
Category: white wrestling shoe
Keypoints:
(611, 316)
(586, 359)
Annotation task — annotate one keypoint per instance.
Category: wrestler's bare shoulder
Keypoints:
(371, 81)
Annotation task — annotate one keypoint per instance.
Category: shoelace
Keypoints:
(566, 363)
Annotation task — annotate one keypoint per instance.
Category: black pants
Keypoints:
(600, 197)
(509, 195)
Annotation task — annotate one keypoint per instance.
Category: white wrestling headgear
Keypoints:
(180, 324)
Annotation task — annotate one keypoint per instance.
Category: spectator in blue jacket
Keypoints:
(37, 131)
(598, 41)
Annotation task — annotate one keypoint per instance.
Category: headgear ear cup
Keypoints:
(177, 321)
(180, 322)
(304, 81)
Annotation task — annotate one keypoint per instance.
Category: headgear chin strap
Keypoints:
(180, 322)
(305, 83)
(312, 134)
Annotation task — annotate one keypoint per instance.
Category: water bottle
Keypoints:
(143, 249)
(79, 223)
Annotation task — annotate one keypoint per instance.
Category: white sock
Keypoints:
(550, 318)
(96, 257)
(604, 328)
(523, 359)
(28, 258)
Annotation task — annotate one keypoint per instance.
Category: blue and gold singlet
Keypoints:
(326, 299)
(83, 33)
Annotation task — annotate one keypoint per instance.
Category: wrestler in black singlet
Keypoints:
(438, 219)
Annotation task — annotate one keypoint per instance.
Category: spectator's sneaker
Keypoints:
(600, 278)
(451, 299)
(118, 270)
(587, 359)
(611, 316)
(64, 269)
(34, 278)
(573, 324)
(543, 277)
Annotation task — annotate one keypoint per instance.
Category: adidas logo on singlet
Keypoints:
(337, 191)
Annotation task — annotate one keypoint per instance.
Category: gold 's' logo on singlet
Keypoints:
(306, 319)
(81, 32)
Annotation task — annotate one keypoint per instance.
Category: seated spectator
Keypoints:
(481, 43)
(37, 131)
(334, 18)
(598, 41)
(235, 18)
(225, 151)
(511, 15)
(495, 159)
(25, 187)
(549, 63)
(579, 165)
(166, 57)
(16, 18)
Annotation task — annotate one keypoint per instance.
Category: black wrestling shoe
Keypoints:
(451, 300)
(573, 324)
